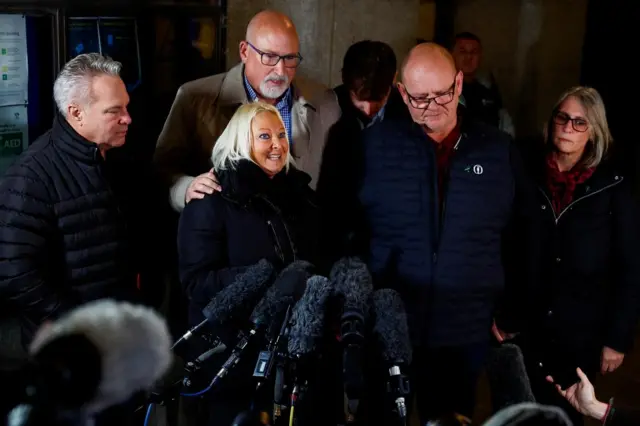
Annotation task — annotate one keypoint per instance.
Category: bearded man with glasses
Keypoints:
(444, 201)
(202, 108)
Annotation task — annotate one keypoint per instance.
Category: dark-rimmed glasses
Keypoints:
(423, 103)
(579, 124)
(271, 59)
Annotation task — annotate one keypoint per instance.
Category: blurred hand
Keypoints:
(582, 397)
(500, 335)
(611, 360)
(202, 185)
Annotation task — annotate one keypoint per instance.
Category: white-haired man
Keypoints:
(270, 55)
(68, 221)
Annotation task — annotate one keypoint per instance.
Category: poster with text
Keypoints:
(14, 76)
(14, 134)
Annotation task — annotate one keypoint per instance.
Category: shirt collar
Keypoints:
(380, 115)
(450, 142)
(376, 118)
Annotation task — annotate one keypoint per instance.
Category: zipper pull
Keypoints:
(276, 244)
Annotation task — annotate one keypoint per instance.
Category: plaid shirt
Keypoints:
(283, 105)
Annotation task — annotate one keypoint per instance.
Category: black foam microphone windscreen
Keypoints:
(390, 327)
(245, 290)
(285, 291)
(392, 333)
(353, 283)
(508, 376)
(308, 317)
(288, 287)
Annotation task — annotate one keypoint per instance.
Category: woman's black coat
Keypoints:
(586, 267)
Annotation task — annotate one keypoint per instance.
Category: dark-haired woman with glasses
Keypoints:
(584, 309)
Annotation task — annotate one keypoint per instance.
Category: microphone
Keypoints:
(307, 328)
(246, 287)
(287, 288)
(308, 317)
(93, 357)
(508, 378)
(392, 333)
(354, 284)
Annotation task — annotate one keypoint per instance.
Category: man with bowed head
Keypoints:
(270, 55)
(442, 196)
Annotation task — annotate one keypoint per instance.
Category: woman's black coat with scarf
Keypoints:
(586, 265)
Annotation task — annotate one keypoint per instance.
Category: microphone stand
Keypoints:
(275, 355)
(352, 331)
(299, 388)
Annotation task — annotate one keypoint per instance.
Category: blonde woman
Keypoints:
(265, 210)
(585, 307)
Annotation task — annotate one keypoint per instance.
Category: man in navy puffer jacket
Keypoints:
(444, 201)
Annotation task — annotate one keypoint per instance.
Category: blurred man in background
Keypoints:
(480, 94)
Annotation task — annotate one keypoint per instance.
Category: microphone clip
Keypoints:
(398, 383)
(263, 364)
(276, 350)
(398, 387)
(192, 367)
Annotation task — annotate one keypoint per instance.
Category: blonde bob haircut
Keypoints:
(600, 138)
(235, 142)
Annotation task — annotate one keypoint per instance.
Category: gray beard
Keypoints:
(273, 92)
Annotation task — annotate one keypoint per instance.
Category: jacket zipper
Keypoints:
(122, 220)
(444, 206)
(286, 230)
(557, 217)
(277, 245)
(107, 184)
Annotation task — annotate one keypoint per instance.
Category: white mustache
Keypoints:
(277, 78)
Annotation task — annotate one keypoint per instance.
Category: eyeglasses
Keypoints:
(579, 124)
(271, 59)
(423, 103)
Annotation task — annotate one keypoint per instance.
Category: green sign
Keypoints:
(10, 144)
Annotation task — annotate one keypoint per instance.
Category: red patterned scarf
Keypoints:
(562, 185)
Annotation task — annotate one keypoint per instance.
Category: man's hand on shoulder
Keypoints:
(206, 183)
